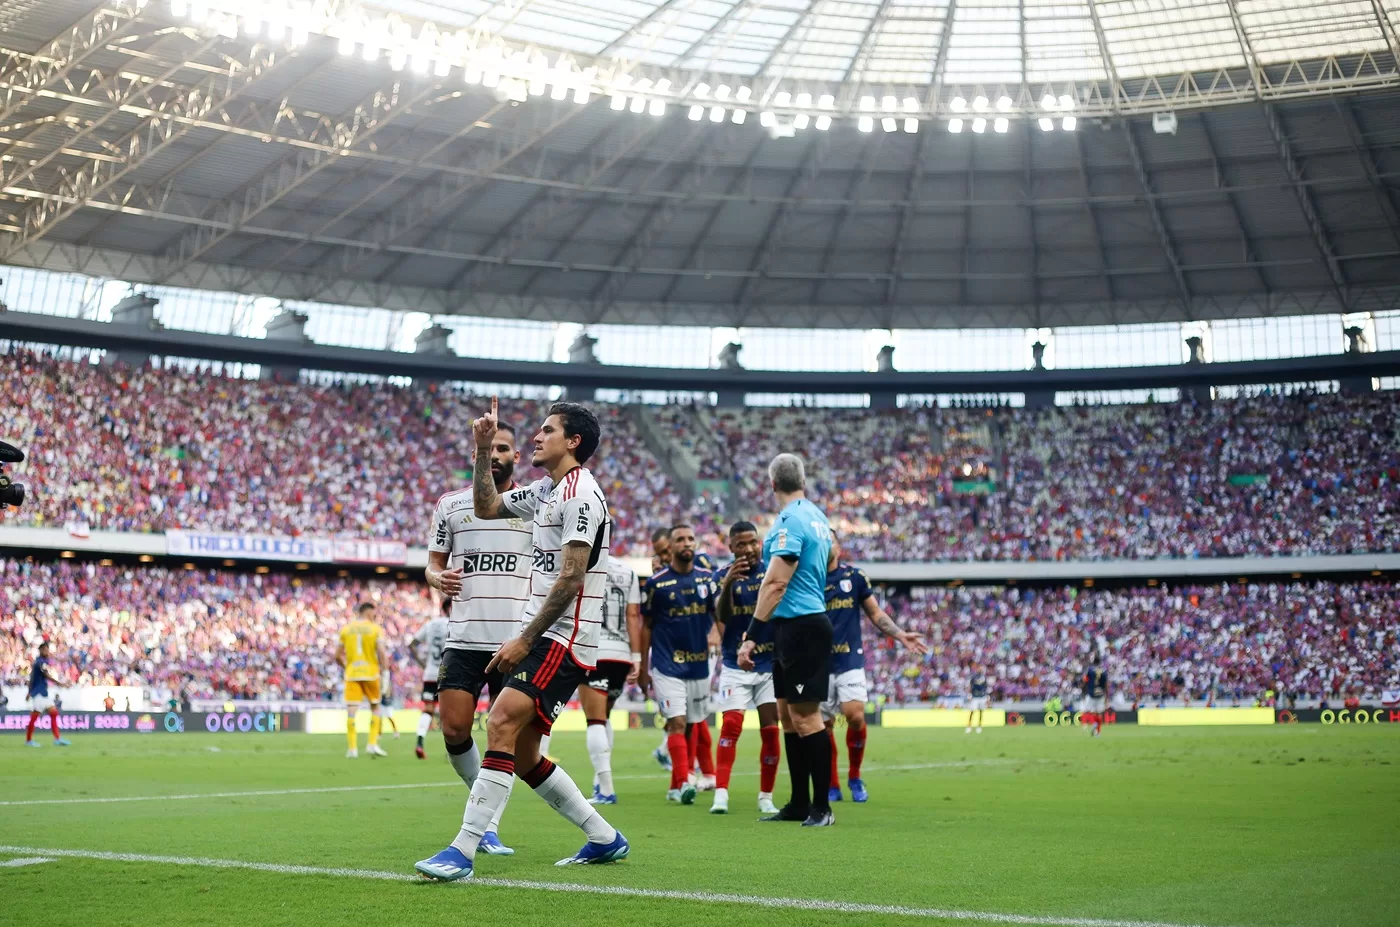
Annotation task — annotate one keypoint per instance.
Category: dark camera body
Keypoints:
(11, 493)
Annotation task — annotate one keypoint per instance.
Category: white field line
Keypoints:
(195, 796)
(794, 904)
(26, 861)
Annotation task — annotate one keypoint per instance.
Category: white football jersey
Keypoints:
(623, 590)
(494, 556)
(573, 510)
(429, 642)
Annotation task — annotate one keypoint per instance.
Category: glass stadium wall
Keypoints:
(953, 350)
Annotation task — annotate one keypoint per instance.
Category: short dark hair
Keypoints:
(742, 527)
(675, 528)
(506, 426)
(579, 420)
(660, 533)
(364, 607)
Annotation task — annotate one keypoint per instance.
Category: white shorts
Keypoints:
(740, 690)
(977, 703)
(688, 697)
(1093, 704)
(41, 703)
(850, 686)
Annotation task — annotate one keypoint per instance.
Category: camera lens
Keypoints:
(13, 494)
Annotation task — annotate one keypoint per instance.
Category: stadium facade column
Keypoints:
(287, 325)
(884, 363)
(138, 310)
(581, 352)
(433, 341)
(1356, 346)
(732, 398)
(1039, 398)
(1197, 346)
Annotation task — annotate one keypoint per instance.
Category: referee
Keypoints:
(793, 598)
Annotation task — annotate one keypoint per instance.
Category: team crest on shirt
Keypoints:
(845, 585)
(702, 591)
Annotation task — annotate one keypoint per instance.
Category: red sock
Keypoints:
(53, 720)
(731, 726)
(29, 731)
(703, 744)
(855, 749)
(1089, 717)
(768, 756)
(1098, 721)
(680, 759)
(835, 772)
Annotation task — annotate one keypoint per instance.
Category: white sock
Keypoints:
(601, 755)
(544, 745)
(496, 818)
(488, 795)
(425, 721)
(608, 726)
(468, 765)
(560, 793)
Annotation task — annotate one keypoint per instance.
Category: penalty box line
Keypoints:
(457, 783)
(794, 904)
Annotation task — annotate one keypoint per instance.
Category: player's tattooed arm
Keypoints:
(486, 500)
(887, 626)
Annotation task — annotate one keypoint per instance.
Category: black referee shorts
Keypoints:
(801, 654)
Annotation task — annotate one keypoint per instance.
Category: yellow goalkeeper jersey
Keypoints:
(361, 653)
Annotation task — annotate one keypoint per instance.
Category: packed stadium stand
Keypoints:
(1270, 474)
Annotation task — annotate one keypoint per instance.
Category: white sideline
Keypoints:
(26, 861)
(795, 904)
(193, 796)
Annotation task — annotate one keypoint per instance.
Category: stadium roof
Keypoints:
(734, 163)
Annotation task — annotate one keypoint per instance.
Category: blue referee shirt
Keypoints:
(801, 531)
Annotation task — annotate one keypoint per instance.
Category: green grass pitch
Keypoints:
(1235, 827)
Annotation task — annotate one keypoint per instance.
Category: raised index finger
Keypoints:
(495, 407)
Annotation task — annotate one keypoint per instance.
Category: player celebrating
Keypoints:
(359, 655)
(976, 696)
(483, 567)
(1095, 684)
(848, 596)
(677, 618)
(426, 651)
(743, 689)
(39, 700)
(619, 659)
(557, 642)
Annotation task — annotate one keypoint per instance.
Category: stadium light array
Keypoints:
(520, 72)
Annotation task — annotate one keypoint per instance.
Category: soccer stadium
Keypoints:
(858, 461)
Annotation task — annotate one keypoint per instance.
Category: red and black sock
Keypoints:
(500, 761)
(535, 777)
(768, 757)
(680, 758)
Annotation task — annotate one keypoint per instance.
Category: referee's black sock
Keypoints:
(816, 749)
(797, 771)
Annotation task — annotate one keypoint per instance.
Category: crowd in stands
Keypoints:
(215, 633)
(148, 450)
(1222, 644)
(126, 449)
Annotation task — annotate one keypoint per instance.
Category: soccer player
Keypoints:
(482, 566)
(660, 559)
(976, 696)
(557, 642)
(619, 659)
(740, 689)
(39, 701)
(792, 596)
(359, 655)
(426, 650)
(1095, 684)
(676, 622)
(848, 597)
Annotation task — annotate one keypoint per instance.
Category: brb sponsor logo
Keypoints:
(244, 722)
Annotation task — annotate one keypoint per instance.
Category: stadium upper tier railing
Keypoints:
(293, 355)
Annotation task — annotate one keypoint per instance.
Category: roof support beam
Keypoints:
(1306, 205)
(588, 168)
(207, 100)
(906, 213)
(853, 187)
(805, 174)
(1246, 245)
(741, 178)
(1385, 193)
(1094, 226)
(234, 212)
(1159, 225)
(867, 39)
(23, 75)
(658, 218)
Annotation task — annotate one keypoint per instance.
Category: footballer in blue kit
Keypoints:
(40, 702)
(741, 689)
(677, 617)
(848, 598)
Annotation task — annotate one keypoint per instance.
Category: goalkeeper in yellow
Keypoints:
(359, 655)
